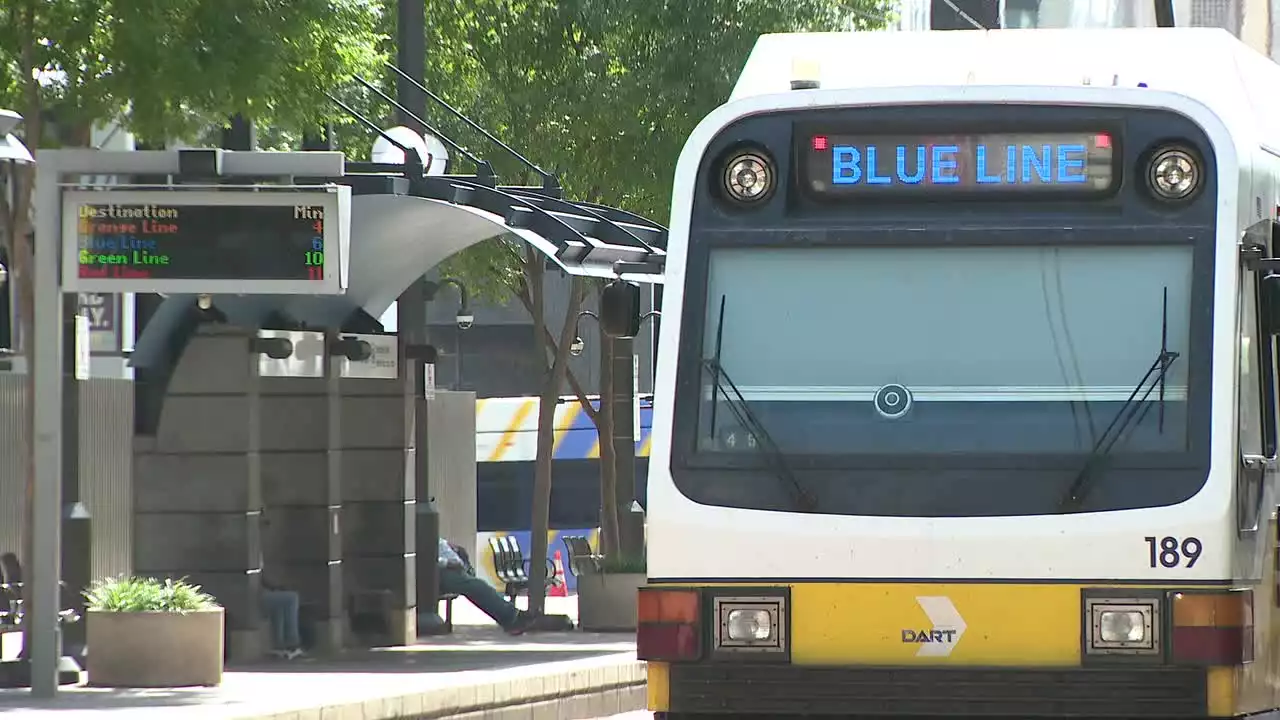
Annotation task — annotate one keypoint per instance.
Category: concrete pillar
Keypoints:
(197, 487)
(378, 491)
(301, 540)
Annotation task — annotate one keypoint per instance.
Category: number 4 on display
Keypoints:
(1170, 553)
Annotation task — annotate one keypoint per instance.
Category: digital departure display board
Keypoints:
(228, 237)
(936, 165)
(192, 243)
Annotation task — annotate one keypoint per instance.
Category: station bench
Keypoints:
(582, 559)
(12, 614)
(511, 567)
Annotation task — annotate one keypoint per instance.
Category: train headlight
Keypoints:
(753, 625)
(1121, 626)
(1174, 173)
(749, 177)
(744, 624)
(1122, 623)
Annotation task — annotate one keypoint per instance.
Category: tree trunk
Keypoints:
(17, 229)
(539, 524)
(610, 539)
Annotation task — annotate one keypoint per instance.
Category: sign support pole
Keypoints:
(46, 437)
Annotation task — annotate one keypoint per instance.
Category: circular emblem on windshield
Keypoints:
(893, 401)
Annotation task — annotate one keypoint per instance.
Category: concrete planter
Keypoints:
(155, 649)
(607, 601)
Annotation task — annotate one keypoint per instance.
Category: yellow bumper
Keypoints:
(920, 641)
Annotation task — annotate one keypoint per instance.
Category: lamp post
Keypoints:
(619, 364)
(428, 518)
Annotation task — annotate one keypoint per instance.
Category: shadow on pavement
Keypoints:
(85, 698)
(466, 649)
(419, 660)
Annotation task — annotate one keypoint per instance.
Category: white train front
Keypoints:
(965, 395)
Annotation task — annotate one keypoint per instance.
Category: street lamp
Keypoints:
(464, 318)
(429, 623)
(625, 426)
(577, 346)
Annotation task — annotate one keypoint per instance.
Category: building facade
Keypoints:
(1254, 21)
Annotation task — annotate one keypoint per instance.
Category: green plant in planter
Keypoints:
(146, 594)
(619, 565)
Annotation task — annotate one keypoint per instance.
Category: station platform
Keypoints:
(476, 672)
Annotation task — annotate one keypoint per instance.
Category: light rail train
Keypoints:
(967, 383)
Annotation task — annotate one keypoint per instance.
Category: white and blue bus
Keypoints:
(967, 383)
(506, 450)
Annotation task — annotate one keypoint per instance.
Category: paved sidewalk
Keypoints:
(475, 669)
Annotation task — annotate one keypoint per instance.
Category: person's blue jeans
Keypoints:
(481, 594)
(281, 609)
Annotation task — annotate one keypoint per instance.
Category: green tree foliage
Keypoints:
(165, 69)
(169, 68)
(608, 90)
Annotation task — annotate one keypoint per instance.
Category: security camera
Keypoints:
(576, 347)
(465, 321)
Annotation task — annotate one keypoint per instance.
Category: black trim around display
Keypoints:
(921, 127)
(953, 485)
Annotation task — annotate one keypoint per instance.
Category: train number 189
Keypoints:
(1169, 552)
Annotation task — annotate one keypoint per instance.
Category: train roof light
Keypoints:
(804, 74)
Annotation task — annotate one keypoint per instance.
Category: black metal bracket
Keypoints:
(1254, 258)
(351, 348)
(422, 353)
(274, 348)
(550, 183)
(579, 236)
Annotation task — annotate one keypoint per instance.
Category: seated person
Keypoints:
(280, 606)
(457, 577)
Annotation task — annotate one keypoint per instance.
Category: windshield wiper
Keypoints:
(1132, 409)
(746, 417)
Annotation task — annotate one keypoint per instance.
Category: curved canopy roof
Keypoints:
(401, 229)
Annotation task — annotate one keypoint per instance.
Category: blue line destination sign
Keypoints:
(936, 165)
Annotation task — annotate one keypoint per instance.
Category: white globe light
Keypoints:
(439, 154)
(385, 152)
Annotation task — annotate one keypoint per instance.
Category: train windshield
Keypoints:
(928, 350)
